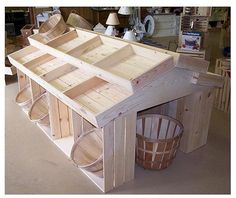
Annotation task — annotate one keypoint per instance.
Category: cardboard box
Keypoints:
(191, 41)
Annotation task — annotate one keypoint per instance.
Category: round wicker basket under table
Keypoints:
(23, 98)
(158, 139)
(39, 110)
(87, 152)
(53, 27)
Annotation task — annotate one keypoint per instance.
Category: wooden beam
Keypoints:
(130, 138)
(207, 79)
(108, 156)
(62, 39)
(83, 87)
(54, 116)
(56, 73)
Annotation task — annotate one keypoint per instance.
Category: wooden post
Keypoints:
(59, 117)
(119, 138)
(36, 89)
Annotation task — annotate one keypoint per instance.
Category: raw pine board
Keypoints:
(48, 66)
(131, 67)
(101, 97)
(69, 80)
(71, 44)
(98, 53)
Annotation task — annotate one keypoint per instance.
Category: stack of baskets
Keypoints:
(158, 139)
(53, 27)
(37, 110)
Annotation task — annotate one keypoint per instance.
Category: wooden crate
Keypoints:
(222, 101)
(27, 30)
(96, 81)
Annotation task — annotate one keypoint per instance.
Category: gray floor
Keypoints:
(34, 165)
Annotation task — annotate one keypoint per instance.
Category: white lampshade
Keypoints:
(125, 10)
(112, 19)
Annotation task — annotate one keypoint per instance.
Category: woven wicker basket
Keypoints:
(39, 110)
(158, 139)
(87, 152)
(53, 27)
(23, 98)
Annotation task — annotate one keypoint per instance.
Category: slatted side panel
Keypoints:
(78, 125)
(59, 115)
(222, 101)
(119, 151)
(194, 111)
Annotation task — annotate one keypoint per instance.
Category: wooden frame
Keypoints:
(95, 81)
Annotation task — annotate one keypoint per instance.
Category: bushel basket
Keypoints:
(158, 139)
(87, 152)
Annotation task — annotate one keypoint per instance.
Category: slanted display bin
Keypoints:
(96, 85)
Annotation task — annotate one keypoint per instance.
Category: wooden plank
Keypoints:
(63, 39)
(108, 156)
(85, 47)
(87, 126)
(119, 151)
(22, 79)
(115, 57)
(76, 124)
(54, 116)
(36, 89)
(59, 71)
(83, 87)
(207, 79)
(64, 119)
(130, 138)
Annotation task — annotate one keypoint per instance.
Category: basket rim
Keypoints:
(165, 117)
(75, 145)
(159, 140)
(20, 92)
(32, 106)
(59, 16)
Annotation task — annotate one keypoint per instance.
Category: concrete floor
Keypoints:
(34, 165)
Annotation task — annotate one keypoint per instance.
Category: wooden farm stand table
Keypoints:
(96, 81)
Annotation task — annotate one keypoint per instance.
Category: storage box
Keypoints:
(10, 29)
(27, 30)
(191, 41)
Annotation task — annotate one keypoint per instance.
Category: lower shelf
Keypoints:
(65, 144)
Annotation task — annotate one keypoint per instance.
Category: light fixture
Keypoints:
(129, 35)
(125, 10)
(112, 20)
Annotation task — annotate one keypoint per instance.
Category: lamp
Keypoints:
(125, 10)
(112, 20)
